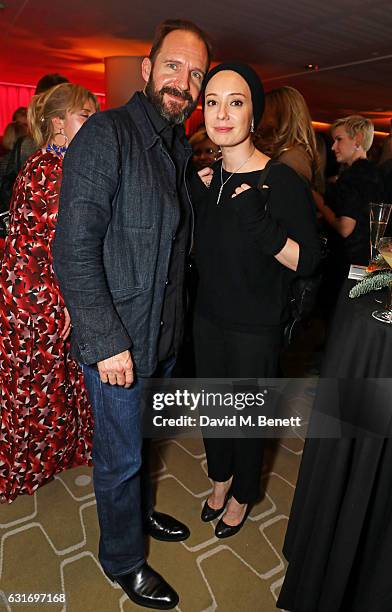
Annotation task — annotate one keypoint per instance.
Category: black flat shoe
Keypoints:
(209, 514)
(166, 528)
(147, 588)
(226, 531)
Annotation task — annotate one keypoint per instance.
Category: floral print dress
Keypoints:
(45, 417)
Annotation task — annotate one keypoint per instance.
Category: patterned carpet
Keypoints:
(49, 541)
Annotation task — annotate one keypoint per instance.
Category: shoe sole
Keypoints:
(176, 539)
(145, 604)
(148, 605)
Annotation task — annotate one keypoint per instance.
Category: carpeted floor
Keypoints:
(49, 541)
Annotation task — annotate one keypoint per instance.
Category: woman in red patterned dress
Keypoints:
(45, 417)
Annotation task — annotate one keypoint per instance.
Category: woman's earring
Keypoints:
(252, 126)
(64, 144)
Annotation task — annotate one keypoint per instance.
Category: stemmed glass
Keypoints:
(385, 249)
(379, 217)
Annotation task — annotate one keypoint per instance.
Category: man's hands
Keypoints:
(117, 370)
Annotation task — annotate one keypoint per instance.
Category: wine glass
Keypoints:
(379, 217)
(385, 249)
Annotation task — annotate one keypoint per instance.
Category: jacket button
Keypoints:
(167, 282)
(174, 237)
(161, 323)
(82, 347)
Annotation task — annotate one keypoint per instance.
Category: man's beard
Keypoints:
(172, 112)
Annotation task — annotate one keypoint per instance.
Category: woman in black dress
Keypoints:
(345, 206)
(249, 245)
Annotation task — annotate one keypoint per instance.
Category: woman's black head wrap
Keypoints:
(251, 77)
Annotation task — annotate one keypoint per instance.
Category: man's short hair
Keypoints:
(48, 81)
(356, 124)
(170, 25)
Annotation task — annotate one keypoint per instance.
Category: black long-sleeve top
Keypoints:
(350, 196)
(240, 287)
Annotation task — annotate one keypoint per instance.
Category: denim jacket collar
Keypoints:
(149, 136)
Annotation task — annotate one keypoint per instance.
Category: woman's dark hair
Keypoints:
(170, 25)
(20, 112)
(48, 81)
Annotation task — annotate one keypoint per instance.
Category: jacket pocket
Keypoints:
(130, 260)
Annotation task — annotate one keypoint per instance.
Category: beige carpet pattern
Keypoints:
(48, 542)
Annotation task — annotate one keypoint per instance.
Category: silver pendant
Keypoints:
(219, 194)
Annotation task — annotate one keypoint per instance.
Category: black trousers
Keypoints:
(222, 353)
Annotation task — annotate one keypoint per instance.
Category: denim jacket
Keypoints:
(118, 216)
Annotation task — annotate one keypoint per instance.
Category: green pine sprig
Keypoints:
(373, 281)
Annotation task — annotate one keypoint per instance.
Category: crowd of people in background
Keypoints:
(285, 133)
(247, 250)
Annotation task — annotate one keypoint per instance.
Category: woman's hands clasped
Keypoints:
(241, 189)
(206, 175)
(255, 220)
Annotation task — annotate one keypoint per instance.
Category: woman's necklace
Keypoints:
(55, 149)
(223, 183)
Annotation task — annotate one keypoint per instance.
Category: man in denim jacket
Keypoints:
(124, 228)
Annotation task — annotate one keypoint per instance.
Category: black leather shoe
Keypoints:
(147, 588)
(209, 514)
(166, 528)
(226, 531)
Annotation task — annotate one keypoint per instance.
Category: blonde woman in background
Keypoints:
(45, 417)
(345, 207)
(285, 132)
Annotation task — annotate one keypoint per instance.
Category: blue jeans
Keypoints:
(122, 488)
